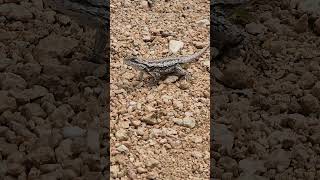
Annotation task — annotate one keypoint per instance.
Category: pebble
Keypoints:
(145, 4)
(302, 24)
(72, 132)
(203, 22)
(254, 28)
(122, 148)
(196, 154)
(121, 135)
(141, 170)
(171, 79)
(175, 46)
(187, 122)
(150, 119)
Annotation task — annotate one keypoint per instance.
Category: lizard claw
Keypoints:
(187, 77)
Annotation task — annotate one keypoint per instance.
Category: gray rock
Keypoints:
(250, 166)
(187, 122)
(12, 81)
(93, 140)
(254, 28)
(310, 6)
(6, 102)
(73, 131)
(5, 62)
(33, 109)
(302, 24)
(15, 12)
(56, 45)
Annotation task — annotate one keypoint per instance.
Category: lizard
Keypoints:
(92, 13)
(162, 67)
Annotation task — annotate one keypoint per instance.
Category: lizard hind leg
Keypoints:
(182, 73)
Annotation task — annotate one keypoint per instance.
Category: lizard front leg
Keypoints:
(182, 72)
(140, 76)
(156, 78)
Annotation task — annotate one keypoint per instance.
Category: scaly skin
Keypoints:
(162, 67)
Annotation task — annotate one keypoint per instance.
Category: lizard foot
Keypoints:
(187, 77)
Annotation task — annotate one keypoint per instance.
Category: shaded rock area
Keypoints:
(265, 118)
(53, 119)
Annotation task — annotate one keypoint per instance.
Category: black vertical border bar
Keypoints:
(107, 88)
(211, 91)
(105, 18)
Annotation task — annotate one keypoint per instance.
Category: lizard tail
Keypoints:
(195, 56)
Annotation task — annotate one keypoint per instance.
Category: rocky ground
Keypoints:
(159, 132)
(266, 114)
(51, 97)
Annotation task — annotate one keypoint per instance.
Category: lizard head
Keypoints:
(134, 62)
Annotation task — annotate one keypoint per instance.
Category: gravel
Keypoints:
(159, 132)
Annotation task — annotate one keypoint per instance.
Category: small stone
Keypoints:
(206, 63)
(145, 4)
(301, 25)
(93, 140)
(196, 154)
(279, 159)
(197, 139)
(171, 79)
(309, 104)
(114, 170)
(175, 46)
(141, 170)
(152, 175)
(228, 163)
(251, 166)
(152, 163)
(121, 135)
(178, 104)
(5, 62)
(12, 81)
(203, 22)
(72, 132)
(254, 28)
(15, 12)
(126, 4)
(122, 148)
(307, 80)
(150, 119)
(6, 102)
(136, 123)
(187, 122)
(15, 169)
(147, 38)
(63, 19)
(34, 109)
